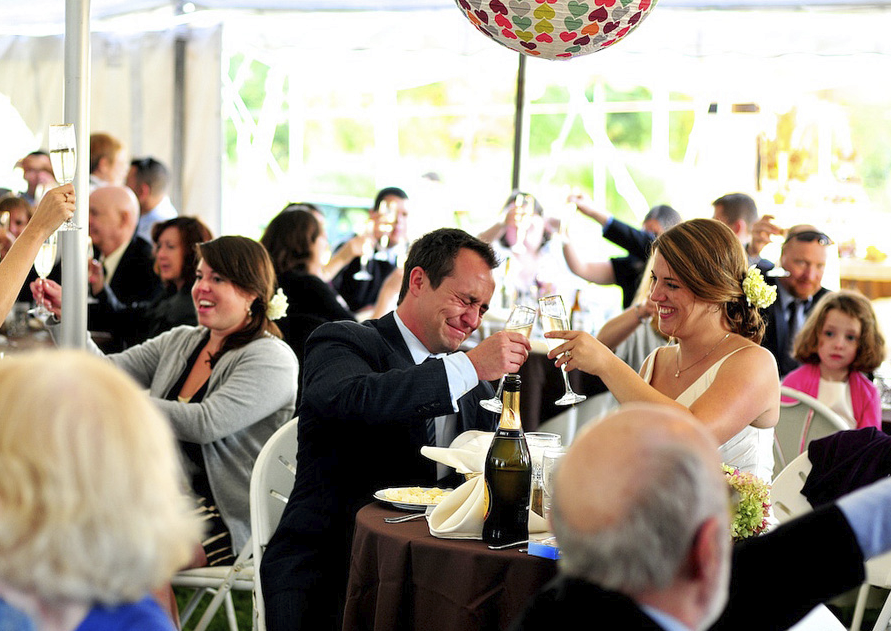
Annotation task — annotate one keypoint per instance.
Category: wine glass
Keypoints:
(62, 147)
(43, 265)
(520, 321)
(387, 219)
(554, 318)
(367, 252)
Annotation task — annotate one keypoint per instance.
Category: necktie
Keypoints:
(792, 327)
(431, 422)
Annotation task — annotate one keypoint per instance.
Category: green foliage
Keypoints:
(244, 610)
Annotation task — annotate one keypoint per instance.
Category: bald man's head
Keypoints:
(631, 495)
(114, 213)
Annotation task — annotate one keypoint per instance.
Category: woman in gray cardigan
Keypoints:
(226, 385)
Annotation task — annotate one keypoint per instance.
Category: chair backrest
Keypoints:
(785, 491)
(801, 421)
(271, 482)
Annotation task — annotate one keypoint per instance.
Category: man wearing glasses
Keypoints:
(804, 258)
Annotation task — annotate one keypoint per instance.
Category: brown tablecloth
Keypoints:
(401, 577)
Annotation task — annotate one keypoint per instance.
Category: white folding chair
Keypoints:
(242, 575)
(271, 482)
(801, 422)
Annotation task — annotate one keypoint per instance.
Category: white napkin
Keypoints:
(466, 454)
(461, 514)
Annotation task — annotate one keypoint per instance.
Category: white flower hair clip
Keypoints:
(758, 293)
(278, 306)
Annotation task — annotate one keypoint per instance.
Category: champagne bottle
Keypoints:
(508, 474)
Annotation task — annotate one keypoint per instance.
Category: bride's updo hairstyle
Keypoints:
(710, 261)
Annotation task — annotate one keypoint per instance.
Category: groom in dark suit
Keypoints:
(372, 397)
(641, 514)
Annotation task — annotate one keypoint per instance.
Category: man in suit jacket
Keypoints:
(126, 262)
(640, 511)
(368, 394)
(804, 258)
(624, 271)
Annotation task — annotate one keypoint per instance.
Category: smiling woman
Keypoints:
(225, 385)
(716, 370)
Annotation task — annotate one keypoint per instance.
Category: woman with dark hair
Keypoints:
(225, 385)
(298, 247)
(707, 301)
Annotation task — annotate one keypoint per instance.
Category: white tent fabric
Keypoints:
(131, 98)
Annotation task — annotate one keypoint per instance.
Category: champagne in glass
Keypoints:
(43, 265)
(62, 144)
(367, 253)
(520, 321)
(554, 318)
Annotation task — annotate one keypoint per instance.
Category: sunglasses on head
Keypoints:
(808, 236)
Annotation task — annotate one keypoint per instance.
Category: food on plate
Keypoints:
(416, 495)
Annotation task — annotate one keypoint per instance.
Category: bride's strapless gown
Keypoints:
(751, 449)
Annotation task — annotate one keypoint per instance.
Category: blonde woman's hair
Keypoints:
(710, 261)
(92, 507)
(870, 346)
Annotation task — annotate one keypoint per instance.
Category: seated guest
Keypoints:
(738, 212)
(225, 385)
(387, 234)
(839, 342)
(803, 256)
(108, 161)
(298, 247)
(370, 401)
(176, 258)
(37, 170)
(92, 515)
(55, 207)
(149, 179)
(126, 264)
(717, 370)
(521, 237)
(626, 271)
(641, 515)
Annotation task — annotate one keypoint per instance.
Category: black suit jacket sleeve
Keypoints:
(779, 577)
(637, 242)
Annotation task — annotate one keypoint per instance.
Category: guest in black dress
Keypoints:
(298, 246)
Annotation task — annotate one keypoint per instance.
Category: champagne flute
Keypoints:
(43, 265)
(519, 321)
(367, 253)
(387, 220)
(554, 318)
(62, 147)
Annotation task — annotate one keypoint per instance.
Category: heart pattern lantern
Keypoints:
(556, 29)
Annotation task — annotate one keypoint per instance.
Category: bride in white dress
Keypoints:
(716, 370)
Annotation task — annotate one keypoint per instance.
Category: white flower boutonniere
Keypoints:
(758, 293)
(278, 306)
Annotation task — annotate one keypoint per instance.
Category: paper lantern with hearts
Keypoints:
(556, 29)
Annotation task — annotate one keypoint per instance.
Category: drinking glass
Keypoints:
(62, 147)
(538, 443)
(549, 459)
(554, 318)
(43, 265)
(387, 221)
(367, 252)
(520, 321)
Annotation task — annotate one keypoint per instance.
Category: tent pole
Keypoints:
(179, 108)
(73, 243)
(518, 120)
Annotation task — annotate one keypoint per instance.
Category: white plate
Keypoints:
(382, 496)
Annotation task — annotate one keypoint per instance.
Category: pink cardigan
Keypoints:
(864, 395)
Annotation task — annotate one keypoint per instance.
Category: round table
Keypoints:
(401, 577)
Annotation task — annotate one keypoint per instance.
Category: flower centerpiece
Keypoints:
(752, 497)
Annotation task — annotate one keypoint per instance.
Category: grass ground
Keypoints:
(243, 610)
